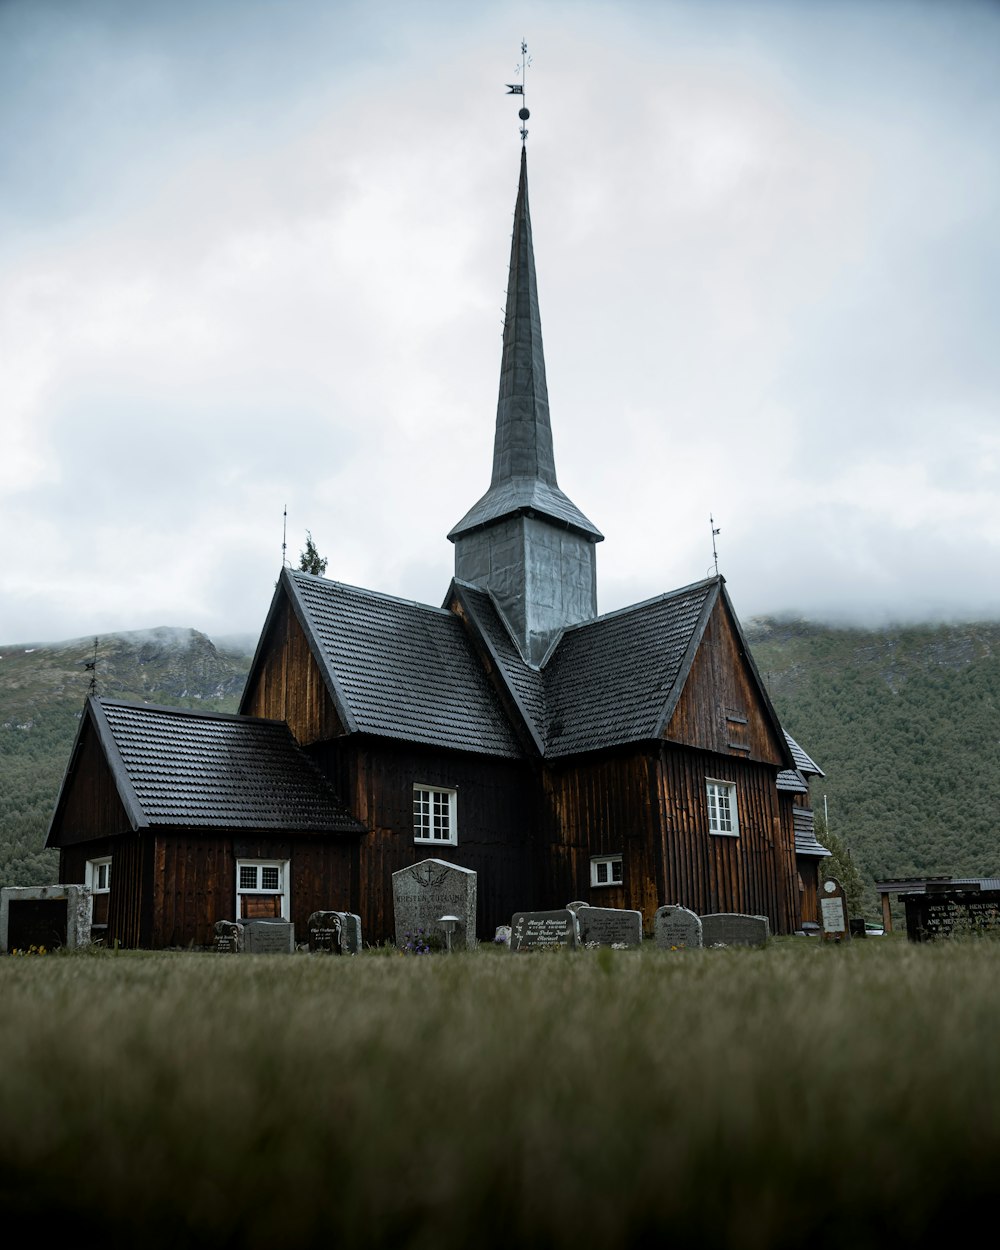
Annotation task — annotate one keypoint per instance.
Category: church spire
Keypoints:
(526, 541)
(524, 471)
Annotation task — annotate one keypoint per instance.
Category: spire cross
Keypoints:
(517, 88)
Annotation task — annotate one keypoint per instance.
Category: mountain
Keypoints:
(42, 690)
(904, 721)
(906, 724)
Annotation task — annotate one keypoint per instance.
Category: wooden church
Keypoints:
(632, 759)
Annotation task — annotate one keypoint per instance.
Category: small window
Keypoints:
(606, 870)
(99, 875)
(434, 815)
(722, 816)
(262, 889)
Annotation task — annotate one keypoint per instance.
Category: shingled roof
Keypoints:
(607, 682)
(805, 834)
(184, 769)
(400, 669)
(803, 763)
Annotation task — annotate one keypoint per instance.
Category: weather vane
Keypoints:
(517, 88)
(90, 666)
(715, 554)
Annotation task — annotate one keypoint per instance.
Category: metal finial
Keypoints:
(517, 88)
(284, 537)
(715, 554)
(90, 666)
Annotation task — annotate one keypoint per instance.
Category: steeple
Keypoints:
(525, 540)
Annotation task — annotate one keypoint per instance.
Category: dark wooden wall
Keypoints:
(130, 903)
(603, 805)
(720, 708)
(754, 872)
(496, 816)
(89, 806)
(288, 684)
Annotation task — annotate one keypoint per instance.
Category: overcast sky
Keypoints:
(254, 254)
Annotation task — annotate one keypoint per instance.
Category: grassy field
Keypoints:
(801, 1095)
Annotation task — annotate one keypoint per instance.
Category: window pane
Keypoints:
(616, 870)
(602, 873)
(248, 877)
(270, 878)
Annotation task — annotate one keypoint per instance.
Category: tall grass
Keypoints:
(797, 1096)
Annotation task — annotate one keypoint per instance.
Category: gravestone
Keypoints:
(336, 932)
(532, 929)
(268, 937)
(45, 915)
(677, 928)
(502, 935)
(609, 926)
(943, 910)
(857, 927)
(575, 906)
(730, 928)
(833, 911)
(228, 937)
(424, 892)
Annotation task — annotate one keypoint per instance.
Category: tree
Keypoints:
(310, 561)
(841, 865)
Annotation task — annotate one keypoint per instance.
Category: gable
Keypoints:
(285, 681)
(89, 805)
(722, 706)
(398, 669)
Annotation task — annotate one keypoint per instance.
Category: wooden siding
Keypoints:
(495, 822)
(288, 685)
(720, 708)
(754, 872)
(808, 882)
(195, 880)
(603, 805)
(89, 806)
(130, 908)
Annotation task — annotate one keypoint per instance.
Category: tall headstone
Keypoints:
(730, 928)
(424, 892)
(609, 926)
(833, 911)
(677, 928)
(530, 930)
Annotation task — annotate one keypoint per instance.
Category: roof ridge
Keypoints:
(645, 603)
(198, 713)
(365, 590)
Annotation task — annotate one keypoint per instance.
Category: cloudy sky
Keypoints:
(253, 254)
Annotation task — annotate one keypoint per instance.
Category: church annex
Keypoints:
(631, 759)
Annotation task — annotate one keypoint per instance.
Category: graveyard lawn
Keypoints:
(800, 1094)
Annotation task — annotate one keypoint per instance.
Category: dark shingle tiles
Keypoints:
(526, 683)
(802, 761)
(196, 769)
(609, 680)
(805, 834)
(405, 670)
(792, 781)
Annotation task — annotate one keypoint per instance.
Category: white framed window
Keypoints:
(606, 870)
(99, 875)
(262, 889)
(435, 815)
(722, 815)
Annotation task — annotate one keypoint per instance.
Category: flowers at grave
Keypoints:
(418, 943)
(31, 950)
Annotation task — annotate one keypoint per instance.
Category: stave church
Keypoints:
(631, 759)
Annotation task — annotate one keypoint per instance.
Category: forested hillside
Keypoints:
(906, 724)
(42, 690)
